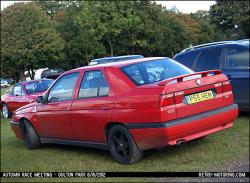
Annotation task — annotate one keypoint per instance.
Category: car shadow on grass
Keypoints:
(79, 151)
(174, 150)
(104, 155)
(243, 114)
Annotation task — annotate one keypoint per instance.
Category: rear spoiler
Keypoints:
(179, 79)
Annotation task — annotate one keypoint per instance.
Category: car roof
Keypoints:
(117, 64)
(214, 44)
(114, 59)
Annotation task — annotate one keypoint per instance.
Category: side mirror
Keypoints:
(39, 99)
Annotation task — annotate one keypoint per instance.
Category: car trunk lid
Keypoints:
(194, 93)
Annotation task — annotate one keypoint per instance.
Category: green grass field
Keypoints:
(216, 150)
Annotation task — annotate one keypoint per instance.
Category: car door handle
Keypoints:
(65, 109)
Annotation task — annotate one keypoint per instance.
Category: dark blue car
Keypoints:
(232, 57)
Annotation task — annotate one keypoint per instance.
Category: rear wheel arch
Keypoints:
(109, 126)
(122, 146)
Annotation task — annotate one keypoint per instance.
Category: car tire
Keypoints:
(31, 138)
(6, 112)
(122, 146)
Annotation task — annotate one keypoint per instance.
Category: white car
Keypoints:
(4, 83)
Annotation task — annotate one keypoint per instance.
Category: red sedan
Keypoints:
(128, 107)
(23, 93)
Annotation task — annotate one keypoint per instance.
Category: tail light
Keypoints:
(179, 97)
(171, 99)
(226, 86)
(223, 87)
(167, 99)
(218, 87)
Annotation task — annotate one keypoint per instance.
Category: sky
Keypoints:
(182, 6)
(187, 6)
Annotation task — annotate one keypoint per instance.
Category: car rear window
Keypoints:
(187, 59)
(153, 71)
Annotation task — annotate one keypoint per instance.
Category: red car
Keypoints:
(128, 107)
(23, 93)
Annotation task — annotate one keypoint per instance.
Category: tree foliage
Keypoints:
(28, 40)
(69, 34)
(230, 19)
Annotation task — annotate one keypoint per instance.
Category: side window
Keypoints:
(18, 91)
(103, 87)
(187, 59)
(63, 88)
(237, 58)
(209, 59)
(93, 84)
(134, 72)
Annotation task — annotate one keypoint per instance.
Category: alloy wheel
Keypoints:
(121, 145)
(5, 111)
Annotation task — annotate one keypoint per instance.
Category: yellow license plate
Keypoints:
(199, 97)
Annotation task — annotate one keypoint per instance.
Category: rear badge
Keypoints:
(198, 82)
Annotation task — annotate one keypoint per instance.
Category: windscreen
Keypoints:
(153, 71)
(39, 86)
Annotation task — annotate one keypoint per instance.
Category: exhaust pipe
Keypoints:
(180, 142)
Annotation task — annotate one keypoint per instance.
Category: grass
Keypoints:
(217, 150)
(5, 90)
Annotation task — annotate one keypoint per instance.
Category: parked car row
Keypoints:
(23, 93)
(98, 105)
(122, 107)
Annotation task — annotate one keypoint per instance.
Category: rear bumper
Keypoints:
(153, 135)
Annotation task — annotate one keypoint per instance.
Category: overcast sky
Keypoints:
(182, 6)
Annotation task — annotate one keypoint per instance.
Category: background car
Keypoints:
(4, 83)
(114, 59)
(128, 107)
(10, 80)
(52, 73)
(232, 57)
(23, 93)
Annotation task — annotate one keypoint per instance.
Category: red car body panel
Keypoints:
(157, 137)
(136, 107)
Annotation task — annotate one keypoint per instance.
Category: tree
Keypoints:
(52, 8)
(115, 19)
(198, 30)
(28, 39)
(201, 15)
(230, 18)
(83, 38)
(155, 31)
